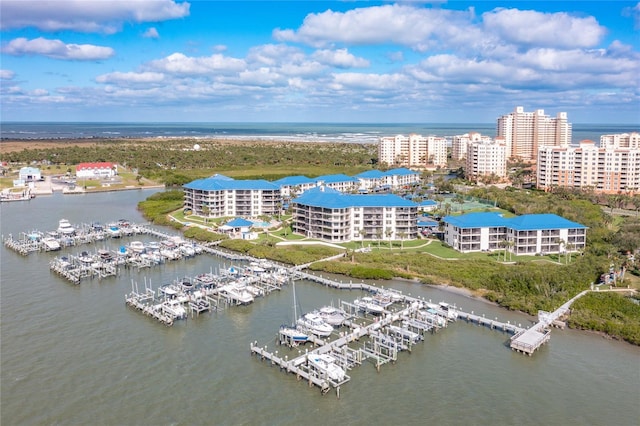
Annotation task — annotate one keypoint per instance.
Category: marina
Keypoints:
(84, 342)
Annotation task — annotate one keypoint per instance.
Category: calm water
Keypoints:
(337, 132)
(77, 355)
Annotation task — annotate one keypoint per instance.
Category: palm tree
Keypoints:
(447, 209)
(379, 236)
(205, 212)
(402, 236)
(388, 232)
(362, 233)
(561, 244)
(569, 247)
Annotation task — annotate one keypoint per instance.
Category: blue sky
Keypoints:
(317, 61)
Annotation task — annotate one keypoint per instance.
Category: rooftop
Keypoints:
(332, 199)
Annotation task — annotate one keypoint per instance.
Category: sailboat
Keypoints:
(292, 332)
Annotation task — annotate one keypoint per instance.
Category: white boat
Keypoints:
(448, 313)
(50, 244)
(238, 294)
(293, 332)
(296, 335)
(136, 246)
(65, 228)
(314, 324)
(430, 316)
(174, 308)
(326, 365)
(452, 312)
(113, 231)
(367, 304)
(332, 316)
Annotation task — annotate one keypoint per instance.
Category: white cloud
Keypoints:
(151, 33)
(131, 77)
(56, 49)
(404, 25)
(179, 63)
(7, 74)
(274, 54)
(532, 28)
(340, 58)
(633, 12)
(104, 16)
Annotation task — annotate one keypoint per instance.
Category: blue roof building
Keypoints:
(294, 185)
(222, 196)
(328, 214)
(527, 234)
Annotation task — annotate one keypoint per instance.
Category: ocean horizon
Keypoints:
(288, 131)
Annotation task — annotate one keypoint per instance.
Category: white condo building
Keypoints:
(459, 144)
(526, 132)
(611, 168)
(486, 158)
(413, 151)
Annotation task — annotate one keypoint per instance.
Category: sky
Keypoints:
(318, 61)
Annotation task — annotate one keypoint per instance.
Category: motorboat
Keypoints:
(367, 304)
(240, 295)
(430, 316)
(174, 308)
(113, 231)
(65, 228)
(326, 366)
(50, 244)
(452, 313)
(332, 316)
(136, 246)
(315, 324)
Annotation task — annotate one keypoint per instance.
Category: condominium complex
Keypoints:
(526, 132)
(413, 151)
(611, 168)
(459, 144)
(330, 215)
(221, 196)
(486, 158)
(526, 234)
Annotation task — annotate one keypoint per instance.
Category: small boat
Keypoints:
(50, 244)
(65, 228)
(105, 255)
(174, 308)
(86, 258)
(452, 313)
(367, 304)
(314, 324)
(332, 316)
(136, 246)
(113, 231)
(326, 365)
(296, 335)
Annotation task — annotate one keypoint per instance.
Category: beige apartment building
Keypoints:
(526, 132)
(611, 168)
(413, 151)
(486, 158)
(459, 144)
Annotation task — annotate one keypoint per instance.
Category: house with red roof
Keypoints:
(103, 170)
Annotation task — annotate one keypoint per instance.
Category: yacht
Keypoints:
(367, 304)
(332, 316)
(65, 228)
(314, 324)
(174, 308)
(50, 244)
(326, 365)
(296, 335)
